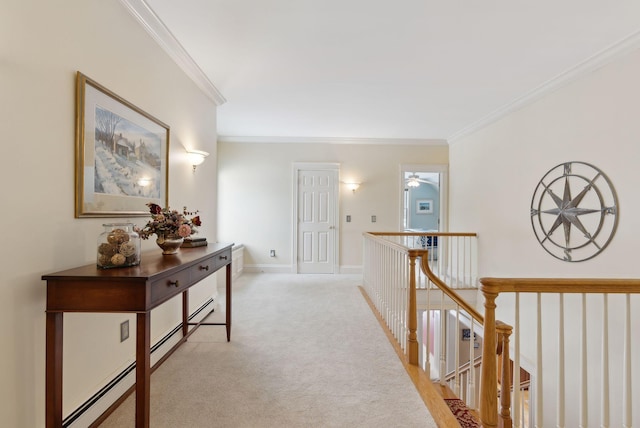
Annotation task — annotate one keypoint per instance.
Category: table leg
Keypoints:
(185, 313)
(228, 291)
(143, 369)
(53, 379)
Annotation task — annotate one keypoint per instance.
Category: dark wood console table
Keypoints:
(136, 289)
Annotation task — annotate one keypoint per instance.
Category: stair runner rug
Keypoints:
(462, 413)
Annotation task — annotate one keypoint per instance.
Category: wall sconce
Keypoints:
(196, 157)
(353, 186)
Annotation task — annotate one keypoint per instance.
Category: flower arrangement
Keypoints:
(166, 222)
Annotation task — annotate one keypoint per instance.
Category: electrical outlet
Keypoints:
(124, 330)
(348, 219)
(272, 253)
(373, 219)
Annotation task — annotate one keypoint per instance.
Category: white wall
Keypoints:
(42, 46)
(495, 170)
(255, 194)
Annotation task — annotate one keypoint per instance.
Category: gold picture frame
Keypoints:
(122, 155)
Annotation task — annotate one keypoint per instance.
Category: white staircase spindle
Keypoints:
(457, 352)
(627, 413)
(443, 341)
(457, 263)
(472, 369)
(539, 404)
(427, 364)
(604, 412)
(464, 263)
(584, 413)
(560, 397)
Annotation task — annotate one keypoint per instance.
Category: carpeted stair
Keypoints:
(463, 414)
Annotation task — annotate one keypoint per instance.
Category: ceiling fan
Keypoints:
(414, 180)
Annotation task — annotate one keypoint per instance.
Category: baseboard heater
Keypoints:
(83, 408)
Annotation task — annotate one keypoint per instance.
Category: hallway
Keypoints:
(305, 351)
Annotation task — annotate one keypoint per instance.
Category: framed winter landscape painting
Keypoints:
(122, 155)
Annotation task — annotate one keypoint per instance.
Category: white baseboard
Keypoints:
(273, 268)
(97, 404)
(351, 269)
(268, 268)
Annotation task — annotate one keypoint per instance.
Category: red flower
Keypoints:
(196, 221)
(154, 208)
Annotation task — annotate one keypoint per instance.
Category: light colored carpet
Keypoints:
(305, 351)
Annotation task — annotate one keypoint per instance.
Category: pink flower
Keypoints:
(168, 222)
(184, 230)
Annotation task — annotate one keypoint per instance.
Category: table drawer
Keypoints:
(222, 259)
(205, 268)
(170, 286)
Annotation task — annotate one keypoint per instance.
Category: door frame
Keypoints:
(443, 170)
(316, 166)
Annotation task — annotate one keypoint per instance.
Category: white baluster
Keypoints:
(627, 412)
(539, 421)
(560, 397)
(605, 364)
(427, 366)
(472, 369)
(443, 341)
(457, 352)
(464, 262)
(584, 384)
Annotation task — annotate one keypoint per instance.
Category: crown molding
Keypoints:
(598, 60)
(333, 140)
(167, 41)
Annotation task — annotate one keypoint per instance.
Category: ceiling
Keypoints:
(405, 70)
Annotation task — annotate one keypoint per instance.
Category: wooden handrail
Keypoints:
(492, 287)
(424, 265)
(423, 233)
(496, 343)
(464, 367)
(561, 285)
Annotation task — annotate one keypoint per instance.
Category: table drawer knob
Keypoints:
(223, 257)
(204, 267)
(175, 283)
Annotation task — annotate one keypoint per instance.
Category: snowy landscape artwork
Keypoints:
(122, 155)
(127, 157)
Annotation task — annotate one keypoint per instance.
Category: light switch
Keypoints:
(348, 219)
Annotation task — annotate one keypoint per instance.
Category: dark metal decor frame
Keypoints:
(574, 211)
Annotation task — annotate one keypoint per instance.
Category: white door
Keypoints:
(317, 191)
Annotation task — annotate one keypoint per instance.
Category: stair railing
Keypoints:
(399, 290)
(497, 345)
(596, 388)
(392, 280)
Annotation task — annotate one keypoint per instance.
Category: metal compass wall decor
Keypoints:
(574, 211)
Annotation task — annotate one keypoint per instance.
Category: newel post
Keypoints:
(489, 379)
(412, 337)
